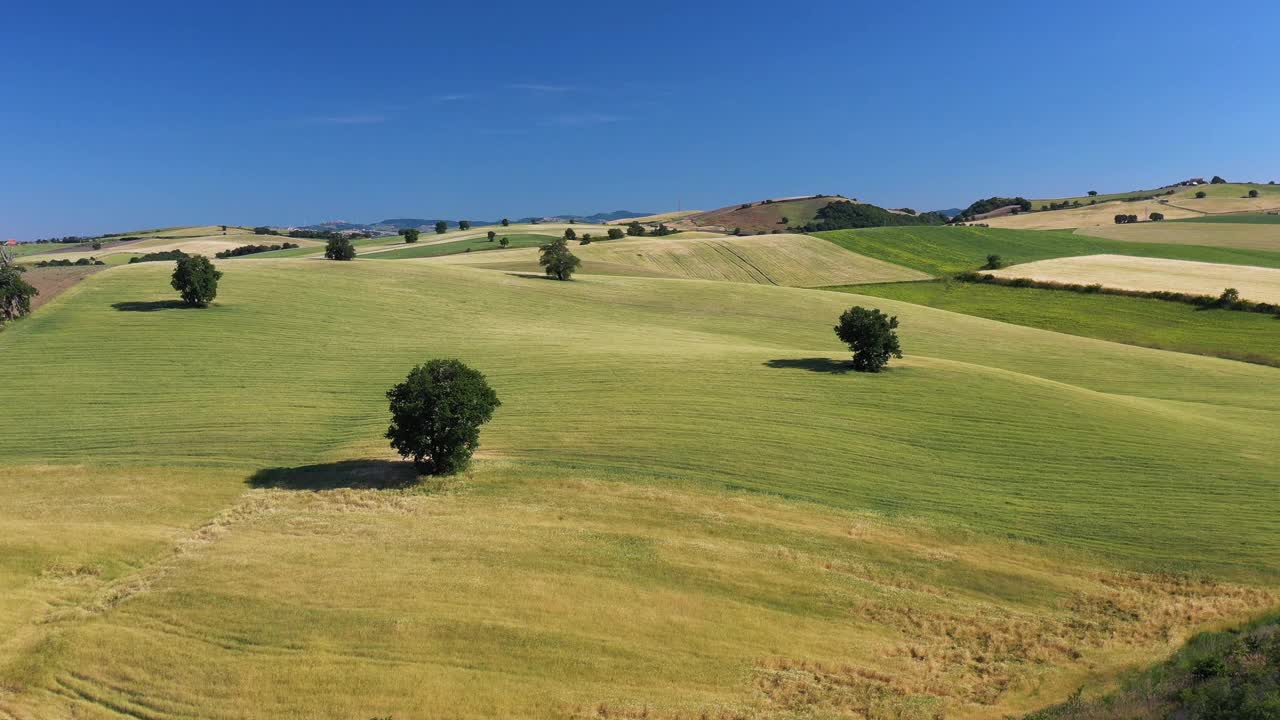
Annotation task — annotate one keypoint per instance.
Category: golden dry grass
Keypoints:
(791, 260)
(1236, 235)
(1149, 274)
(1089, 215)
(514, 592)
(185, 240)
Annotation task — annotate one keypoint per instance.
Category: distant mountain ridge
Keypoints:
(392, 225)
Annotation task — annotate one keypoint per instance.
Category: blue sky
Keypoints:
(117, 116)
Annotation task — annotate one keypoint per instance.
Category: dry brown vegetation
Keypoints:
(1152, 274)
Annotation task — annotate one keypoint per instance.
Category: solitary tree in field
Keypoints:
(15, 293)
(557, 260)
(994, 262)
(196, 280)
(504, 242)
(1201, 194)
(505, 222)
(1093, 193)
(441, 227)
(436, 414)
(616, 233)
(410, 235)
(1253, 193)
(1156, 216)
(570, 234)
(586, 239)
(1218, 180)
(339, 248)
(464, 224)
(870, 335)
(492, 235)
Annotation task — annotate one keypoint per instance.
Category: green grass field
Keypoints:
(1246, 218)
(474, 244)
(1251, 337)
(949, 250)
(683, 507)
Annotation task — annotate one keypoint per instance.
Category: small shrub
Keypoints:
(994, 262)
(1200, 194)
(616, 233)
(1155, 217)
(410, 235)
(1253, 193)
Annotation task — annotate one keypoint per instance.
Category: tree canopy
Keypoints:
(441, 227)
(15, 293)
(436, 414)
(557, 260)
(870, 334)
(196, 280)
(339, 248)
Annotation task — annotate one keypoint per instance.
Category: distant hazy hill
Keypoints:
(394, 224)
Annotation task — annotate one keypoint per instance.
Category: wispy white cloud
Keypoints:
(540, 87)
(581, 119)
(368, 119)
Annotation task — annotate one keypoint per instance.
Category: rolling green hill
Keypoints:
(1251, 337)
(685, 506)
(949, 250)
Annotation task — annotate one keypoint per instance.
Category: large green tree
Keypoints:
(339, 248)
(15, 293)
(196, 280)
(557, 260)
(441, 227)
(436, 414)
(410, 235)
(870, 334)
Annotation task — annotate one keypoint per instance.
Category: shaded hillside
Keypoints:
(760, 217)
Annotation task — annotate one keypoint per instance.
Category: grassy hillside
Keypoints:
(1247, 235)
(1246, 218)
(417, 250)
(725, 336)
(683, 507)
(948, 250)
(1181, 204)
(791, 260)
(1136, 321)
(760, 216)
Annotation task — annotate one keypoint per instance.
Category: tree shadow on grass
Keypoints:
(358, 474)
(818, 365)
(151, 305)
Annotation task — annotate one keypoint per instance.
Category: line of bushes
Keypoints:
(1229, 299)
(68, 263)
(158, 256)
(254, 249)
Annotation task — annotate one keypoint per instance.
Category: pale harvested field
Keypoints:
(429, 238)
(1236, 235)
(191, 244)
(1089, 215)
(791, 260)
(1149, 274)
